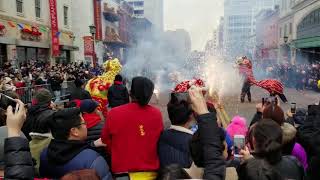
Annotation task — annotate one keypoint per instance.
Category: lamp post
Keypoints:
(285, 39)
(93, 32)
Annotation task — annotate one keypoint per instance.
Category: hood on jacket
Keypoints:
(62, 151)
(39, 118)
(142, 90)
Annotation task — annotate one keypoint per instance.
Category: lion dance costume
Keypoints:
(273, 86)
(98, 86)
(184, 86)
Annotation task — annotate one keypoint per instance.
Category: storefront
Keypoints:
(32, 51)
(307, 45)
(66, 54)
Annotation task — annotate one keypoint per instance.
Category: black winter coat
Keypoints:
(55, 83)
(80, 94)
(118, 95)
(37, 120)
(212, 147)
(173, 148)
(18, 159)
(309, 137)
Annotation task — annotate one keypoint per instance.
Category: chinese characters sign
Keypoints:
(97, 19)
(88, 45)
(54, 28)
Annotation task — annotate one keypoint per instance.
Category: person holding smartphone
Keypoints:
(266, 138)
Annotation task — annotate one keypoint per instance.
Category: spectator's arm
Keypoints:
(18, 159)
(106, 134)
(257, 117)
(214, 164)
(102, 168)
(209, 132)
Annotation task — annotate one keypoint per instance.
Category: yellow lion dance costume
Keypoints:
(98, 86)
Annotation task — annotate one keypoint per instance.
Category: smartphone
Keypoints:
(6, 101)
(293, 108)
(238, 144)
(263, 101)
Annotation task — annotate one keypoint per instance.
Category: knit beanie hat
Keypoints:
(275, 113)
(42, 97)
(237, 127)
(88, 106)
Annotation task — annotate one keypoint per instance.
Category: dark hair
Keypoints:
(268, 140)
(78, 82)
(62, 121)
(254, 169)
(172, 172)
(141, 90)
(178, 111)
(275, 113)
(118, 78)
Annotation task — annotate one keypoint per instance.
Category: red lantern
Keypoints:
(2, 27)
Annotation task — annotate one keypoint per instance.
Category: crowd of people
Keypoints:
(31, 75)
(300, 76)
(79, 142)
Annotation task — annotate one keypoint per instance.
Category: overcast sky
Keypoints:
(198, 17)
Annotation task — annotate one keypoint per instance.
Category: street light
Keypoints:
(93, 32)
(285, 39)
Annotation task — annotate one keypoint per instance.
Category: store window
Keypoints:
(19, 4)
(65, 15)
(38, 8)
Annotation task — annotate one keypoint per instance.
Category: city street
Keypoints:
(247, 110)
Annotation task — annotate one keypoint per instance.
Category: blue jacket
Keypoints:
(173, 147)
(86, 159)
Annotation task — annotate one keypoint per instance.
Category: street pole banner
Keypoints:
(97, 19)
(54, 28)
(88, 45)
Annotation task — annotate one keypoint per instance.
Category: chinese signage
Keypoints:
(54, 28)
(88, 45)
(97, 19)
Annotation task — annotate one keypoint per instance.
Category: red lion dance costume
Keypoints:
(273, 86)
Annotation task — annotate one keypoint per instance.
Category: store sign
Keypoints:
(54, 28)
(88, 45)
(97, 19)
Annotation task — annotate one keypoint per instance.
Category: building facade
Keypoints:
(152, 10)
(238, 26)
(267, 36)
(25, 31)
(299, 31)
(83, 17)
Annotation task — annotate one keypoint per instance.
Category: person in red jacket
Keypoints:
(131, 133)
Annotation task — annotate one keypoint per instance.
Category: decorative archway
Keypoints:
(309, 26)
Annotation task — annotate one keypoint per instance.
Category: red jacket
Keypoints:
(131, 133)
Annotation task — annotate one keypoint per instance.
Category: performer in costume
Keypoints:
(245, 90)
(273, 86)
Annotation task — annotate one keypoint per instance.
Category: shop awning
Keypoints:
(307, 42)
(33, 44)
(69, 48)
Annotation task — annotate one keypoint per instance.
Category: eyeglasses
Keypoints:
(83, 123)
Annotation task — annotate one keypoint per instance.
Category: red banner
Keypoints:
(97, 19)
(54, 28)
(88, 45)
